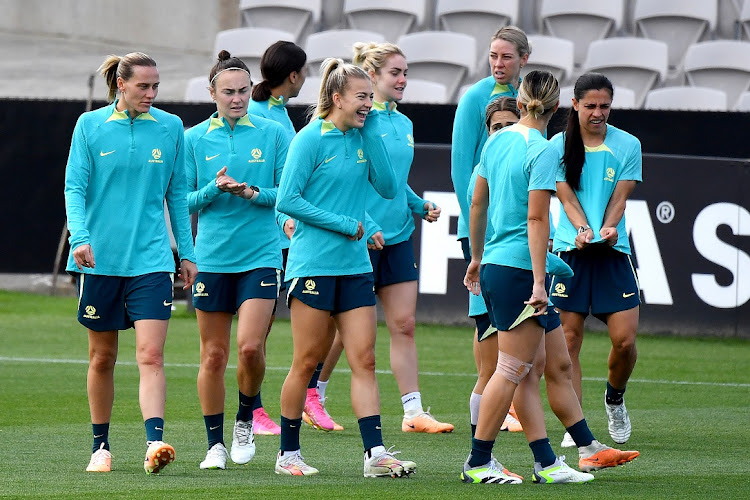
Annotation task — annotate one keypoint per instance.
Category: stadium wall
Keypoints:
(689, 221)
(192, 25)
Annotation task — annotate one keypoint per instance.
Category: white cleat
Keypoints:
(216, 457)
(567, 441)
(380, 462)
(558, 473)
(291, 463)
(243, 442)
(618, 422)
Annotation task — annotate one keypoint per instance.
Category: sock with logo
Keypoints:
(481, 452)
(290, 433)
(322, 389)
(474, 400)
(101, 435)
(245, 410)
(412, 403)
(258, 403)
(371, 431)
(316, 375)
(154, 429)
(580, 433)
(542, 451)
(214, 428)
(614, 396)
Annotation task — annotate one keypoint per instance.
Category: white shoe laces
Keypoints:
(242, 431)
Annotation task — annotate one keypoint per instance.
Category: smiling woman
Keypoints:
(122, 259)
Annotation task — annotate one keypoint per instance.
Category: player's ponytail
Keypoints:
(278, 62)
(575, 154)
(335, 75)
(115, 67)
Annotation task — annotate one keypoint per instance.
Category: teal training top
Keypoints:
(469, 136)
(120, 172)
(617, 159)
(323, 188)
(275, 109)
(395, 217)
(515, 160)
(235, 234)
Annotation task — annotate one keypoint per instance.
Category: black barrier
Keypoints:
(709, 230)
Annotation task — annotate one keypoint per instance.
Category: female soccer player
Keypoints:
(600, 167)
(390, 224)
(323, 188)
(233, 165)
(125, 160)
(514, 184)
(283, 69)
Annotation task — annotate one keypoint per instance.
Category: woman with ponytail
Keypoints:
(234, 163)
(330, 164)
(126, 159)
(514, 184)
(599, 168)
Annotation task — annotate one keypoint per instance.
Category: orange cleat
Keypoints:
(425, 422)
(608, 457)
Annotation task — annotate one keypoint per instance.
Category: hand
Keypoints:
(289, 227)
(609, 234)
(83, 256)
(432, 212)
(377, 241)
(583, 239)
(360, 232)
(471, 280)
(538, 299)
(188, 272)
(228, 184)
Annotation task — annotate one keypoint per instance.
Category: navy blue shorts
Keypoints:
(394, 264)
(465, 248)
(107, 303)
(225, 292)
(505, 289)
(333, 293)
(604, 282)
(484, 327)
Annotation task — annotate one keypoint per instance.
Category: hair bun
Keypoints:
(224, 55)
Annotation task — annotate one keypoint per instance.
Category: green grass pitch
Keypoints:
(689, 402)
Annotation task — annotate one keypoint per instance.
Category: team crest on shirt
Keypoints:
(610, 175)
(90, 312)
(361, 155)
(410, 140)
(156, 156)
(310, 288)
(559, 290)
(200, 290)
(257, 154)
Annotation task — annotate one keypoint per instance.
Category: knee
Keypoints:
(250, 352)
(624, 344)
(559, 370)
(364, 362)
(404, 326)
(151, 356)
(214, 359)
(102, 360)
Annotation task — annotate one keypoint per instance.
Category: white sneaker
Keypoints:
(101, 461)
(567, 441)
(216, 457)
(492, 472)
(559, 472)
(380, 462)
(291, 463)
(618, 422)
(243, 442)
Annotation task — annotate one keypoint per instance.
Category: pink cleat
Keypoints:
(314, 413)
(263, 425)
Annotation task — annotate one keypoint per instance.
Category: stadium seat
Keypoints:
(335, 43)
(678, 23)
(300, 17)
(727, 19)
(634, 63)
(332, 15)
(197, 90)
(581, 21)
(392, 18)
(720, 64)
(440, 56)
(477, 18)
(249, 44)
(744, 20)
(426, 92)
(744, 103)
(309, 92)
(551, 54)
(624, 98)
(686, 98)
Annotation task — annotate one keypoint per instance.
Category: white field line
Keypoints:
(12, 359)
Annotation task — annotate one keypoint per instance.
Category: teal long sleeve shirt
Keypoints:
(120, 172)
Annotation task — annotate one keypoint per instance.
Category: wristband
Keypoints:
(583, 229)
